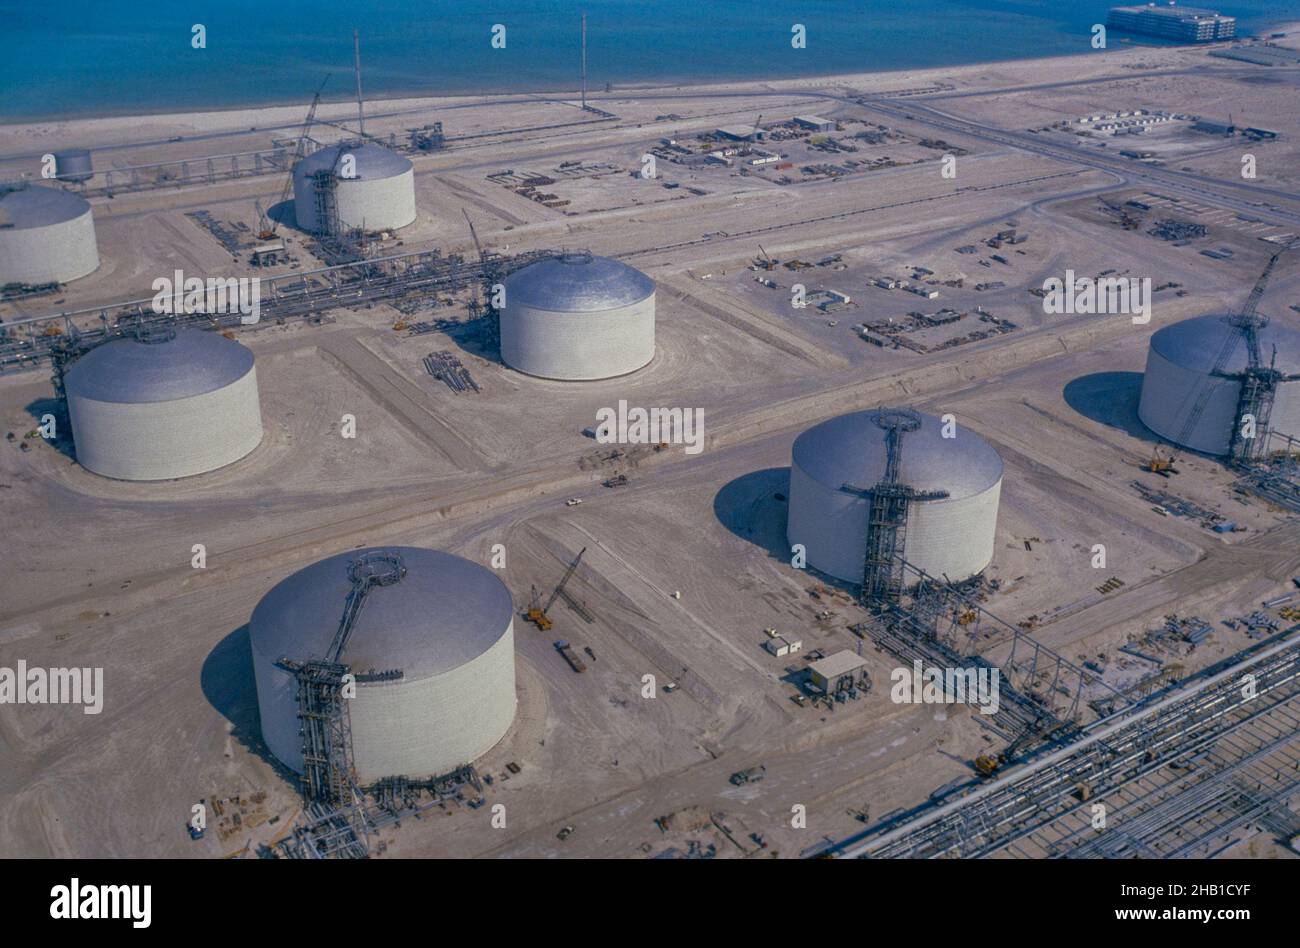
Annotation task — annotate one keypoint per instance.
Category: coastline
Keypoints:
(111, 130)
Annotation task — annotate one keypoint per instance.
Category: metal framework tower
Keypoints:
(328, 772)
(1258, 382)
(325, 198)
(882, 574)
(584, 60)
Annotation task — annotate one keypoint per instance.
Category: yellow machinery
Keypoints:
(1160, 463)
(986, 765)
(537, 613)
(967, 615)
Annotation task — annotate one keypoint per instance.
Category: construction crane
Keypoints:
(1258, 384)
(538, 614)
(766, 262)
(757, 126)
(1162, 464)
(986, 765)
(267, 227)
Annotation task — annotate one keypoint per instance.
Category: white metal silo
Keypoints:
(578, 317)
(158, 407)
(47, 235)
(828, 513)
(1180, 385)
(444, 634)
(353, 185)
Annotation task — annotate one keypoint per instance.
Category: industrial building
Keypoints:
(47, 235)
(1193, 399)
(839, 672)
(161, 406)
(1186, 24)
(578, 317)
(353, 185)
(947, 491)
(814, 123)
(432, 653)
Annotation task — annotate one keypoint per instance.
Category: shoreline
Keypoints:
(212, 118)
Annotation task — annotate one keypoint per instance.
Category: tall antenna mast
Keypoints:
(584, 60)
(356, 58)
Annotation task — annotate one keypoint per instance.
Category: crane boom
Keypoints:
(564, 580)
(299, 152)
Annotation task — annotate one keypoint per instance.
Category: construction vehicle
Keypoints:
(752, 775)
(536, 614)
(570, 656)
(967, 615)
(539, 614)
(1162, 464)
(989, 764)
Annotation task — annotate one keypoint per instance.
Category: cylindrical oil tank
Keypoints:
(578, 317)
(836, 463)
(74, 164)
(433, 654)
(47, 235)
(1178, 379)
(353, 185)
(174, 404)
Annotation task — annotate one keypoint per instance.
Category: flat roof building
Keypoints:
(814, 122)
(739, 133)
(1185, 24)
(826, 674)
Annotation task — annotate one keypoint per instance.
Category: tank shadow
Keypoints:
(1110, 398)
(754, 507)
(228, 684)
(41, 407)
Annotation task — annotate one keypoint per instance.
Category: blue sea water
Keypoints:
(100, 57)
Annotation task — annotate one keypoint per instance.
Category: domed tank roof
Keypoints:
(850, 449)
(372, 161)
(1195, 344)
(577, 283)
(35, 206)
(190, 362)
(444, 612)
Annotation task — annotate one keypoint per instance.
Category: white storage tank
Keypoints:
(379, 194)
(447, 626)
(578, 317)
(168, 405)
(74, 164)
(951, 537)
(47, 235)
(1177, 378)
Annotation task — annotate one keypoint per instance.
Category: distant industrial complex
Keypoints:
(307, 448)
(1178, 23)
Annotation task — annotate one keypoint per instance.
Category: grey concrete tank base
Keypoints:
(447, 626)
(167, 406)
(578, 317)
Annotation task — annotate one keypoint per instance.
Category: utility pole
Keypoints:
(584, 60)
(356, 58)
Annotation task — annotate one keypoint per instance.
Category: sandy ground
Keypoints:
(98, 573)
